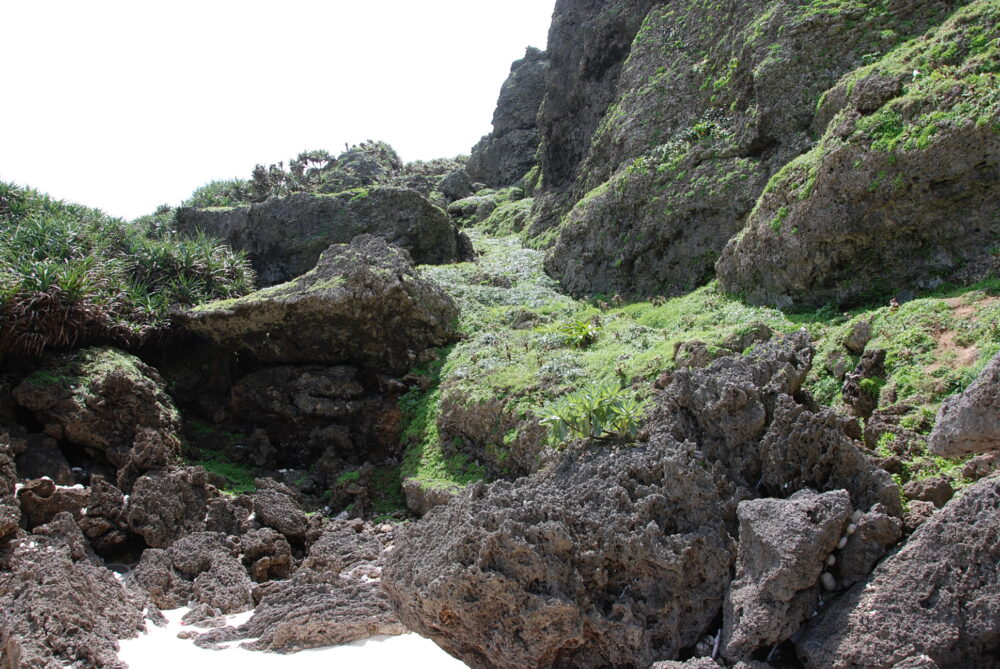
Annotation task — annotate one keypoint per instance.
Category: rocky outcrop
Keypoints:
(334, 598)
(104, 521)
(662, 126)
(42, 457)
(166, 506)
(784, 545)
(41, 500)
(742, 414)
(203, 567)
(363, 303)
(899, 193)
(275, 507)
(939, 596)
(507, 153)
(108, 402)
(970, 422)
(10, 510)
(285, 236)
(57, 612)
(266, 554)
(612, 558)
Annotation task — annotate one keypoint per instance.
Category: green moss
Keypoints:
(240, 478)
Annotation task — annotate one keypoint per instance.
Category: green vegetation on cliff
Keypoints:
(70, 275)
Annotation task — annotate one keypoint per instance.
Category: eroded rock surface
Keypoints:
(610, 558)
(166, 506)
(939, 596)
(285, 236)
(363, 303)
(970, 422)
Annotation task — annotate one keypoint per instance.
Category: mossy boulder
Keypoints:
(284, 236)
(362, 304)
(901, 192)
(108, 402)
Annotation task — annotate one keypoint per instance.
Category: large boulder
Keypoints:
(899, 194)
(612, 558)
(42, 500)
(507, 153)
(970, 422)
(784, 545)
(203, 567)
(284, 236)
(363, 303)
(56, 612)
(938, 596)
(166, 506)
(109, 402)
(334, 598)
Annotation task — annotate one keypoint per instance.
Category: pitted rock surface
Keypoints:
(55, 612)
(970, 422)
(782, 548)
(611, 558)
(165, 506)
(363, 303)
(938, 596)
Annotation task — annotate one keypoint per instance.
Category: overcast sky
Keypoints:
(124, 105)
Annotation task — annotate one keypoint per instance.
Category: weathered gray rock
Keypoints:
(275, 507)
(874, 534)
(10, 510)
(104, 521)
(455, 185)
(507, 153)
(937, 490)
(41, 500)
(285, 236)
(166, 506)
(203, 567)
(877, 207)
(106, 401)
(266, 554)
(861, 386)
(610, 558)
(62, 533)
(55, 612)
(363, 303)
(970, 422)
(782, 549)
(335, 597)
(938, 596)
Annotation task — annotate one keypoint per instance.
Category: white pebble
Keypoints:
(857, 516)
(842, 542)
(828, 581)
(852, 528)
(831, 560)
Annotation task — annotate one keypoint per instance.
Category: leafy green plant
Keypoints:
(580, 333)
(604, 411)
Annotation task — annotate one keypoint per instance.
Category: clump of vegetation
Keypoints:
(71, 275)
(602, 412)
(240, 478)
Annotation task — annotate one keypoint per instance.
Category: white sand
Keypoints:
(160, 647)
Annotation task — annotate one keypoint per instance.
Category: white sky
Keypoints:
(127, 104)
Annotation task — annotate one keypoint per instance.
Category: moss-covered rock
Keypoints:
(362, 304)
(284, 236)
(901, 192)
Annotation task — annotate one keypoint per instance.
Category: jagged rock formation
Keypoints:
(612, 558)
(363, 303)
(507, 153)
(784, 545)
(939, 596)
(661, 128)
(899, 193)
(10, 510)
(109, 403)
(55, 611)
(284, 237)
(970, 422)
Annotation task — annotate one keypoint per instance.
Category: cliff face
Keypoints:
(662, 124)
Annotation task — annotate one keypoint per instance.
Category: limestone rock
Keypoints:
(166, 506)
(782, 549)
(455, 185)
(938, 596)
(10, 510)
(970, 422)
(363, 303)
(875, 533)
(863, 398)
(57, 612)
(104, 400)
(103, 521)
(285, 236)
(275, 507)
(42, 457)
(936, 490)
(41, 500)
(266, 554)
(203, 567)
(507, 153)
(611, 558)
